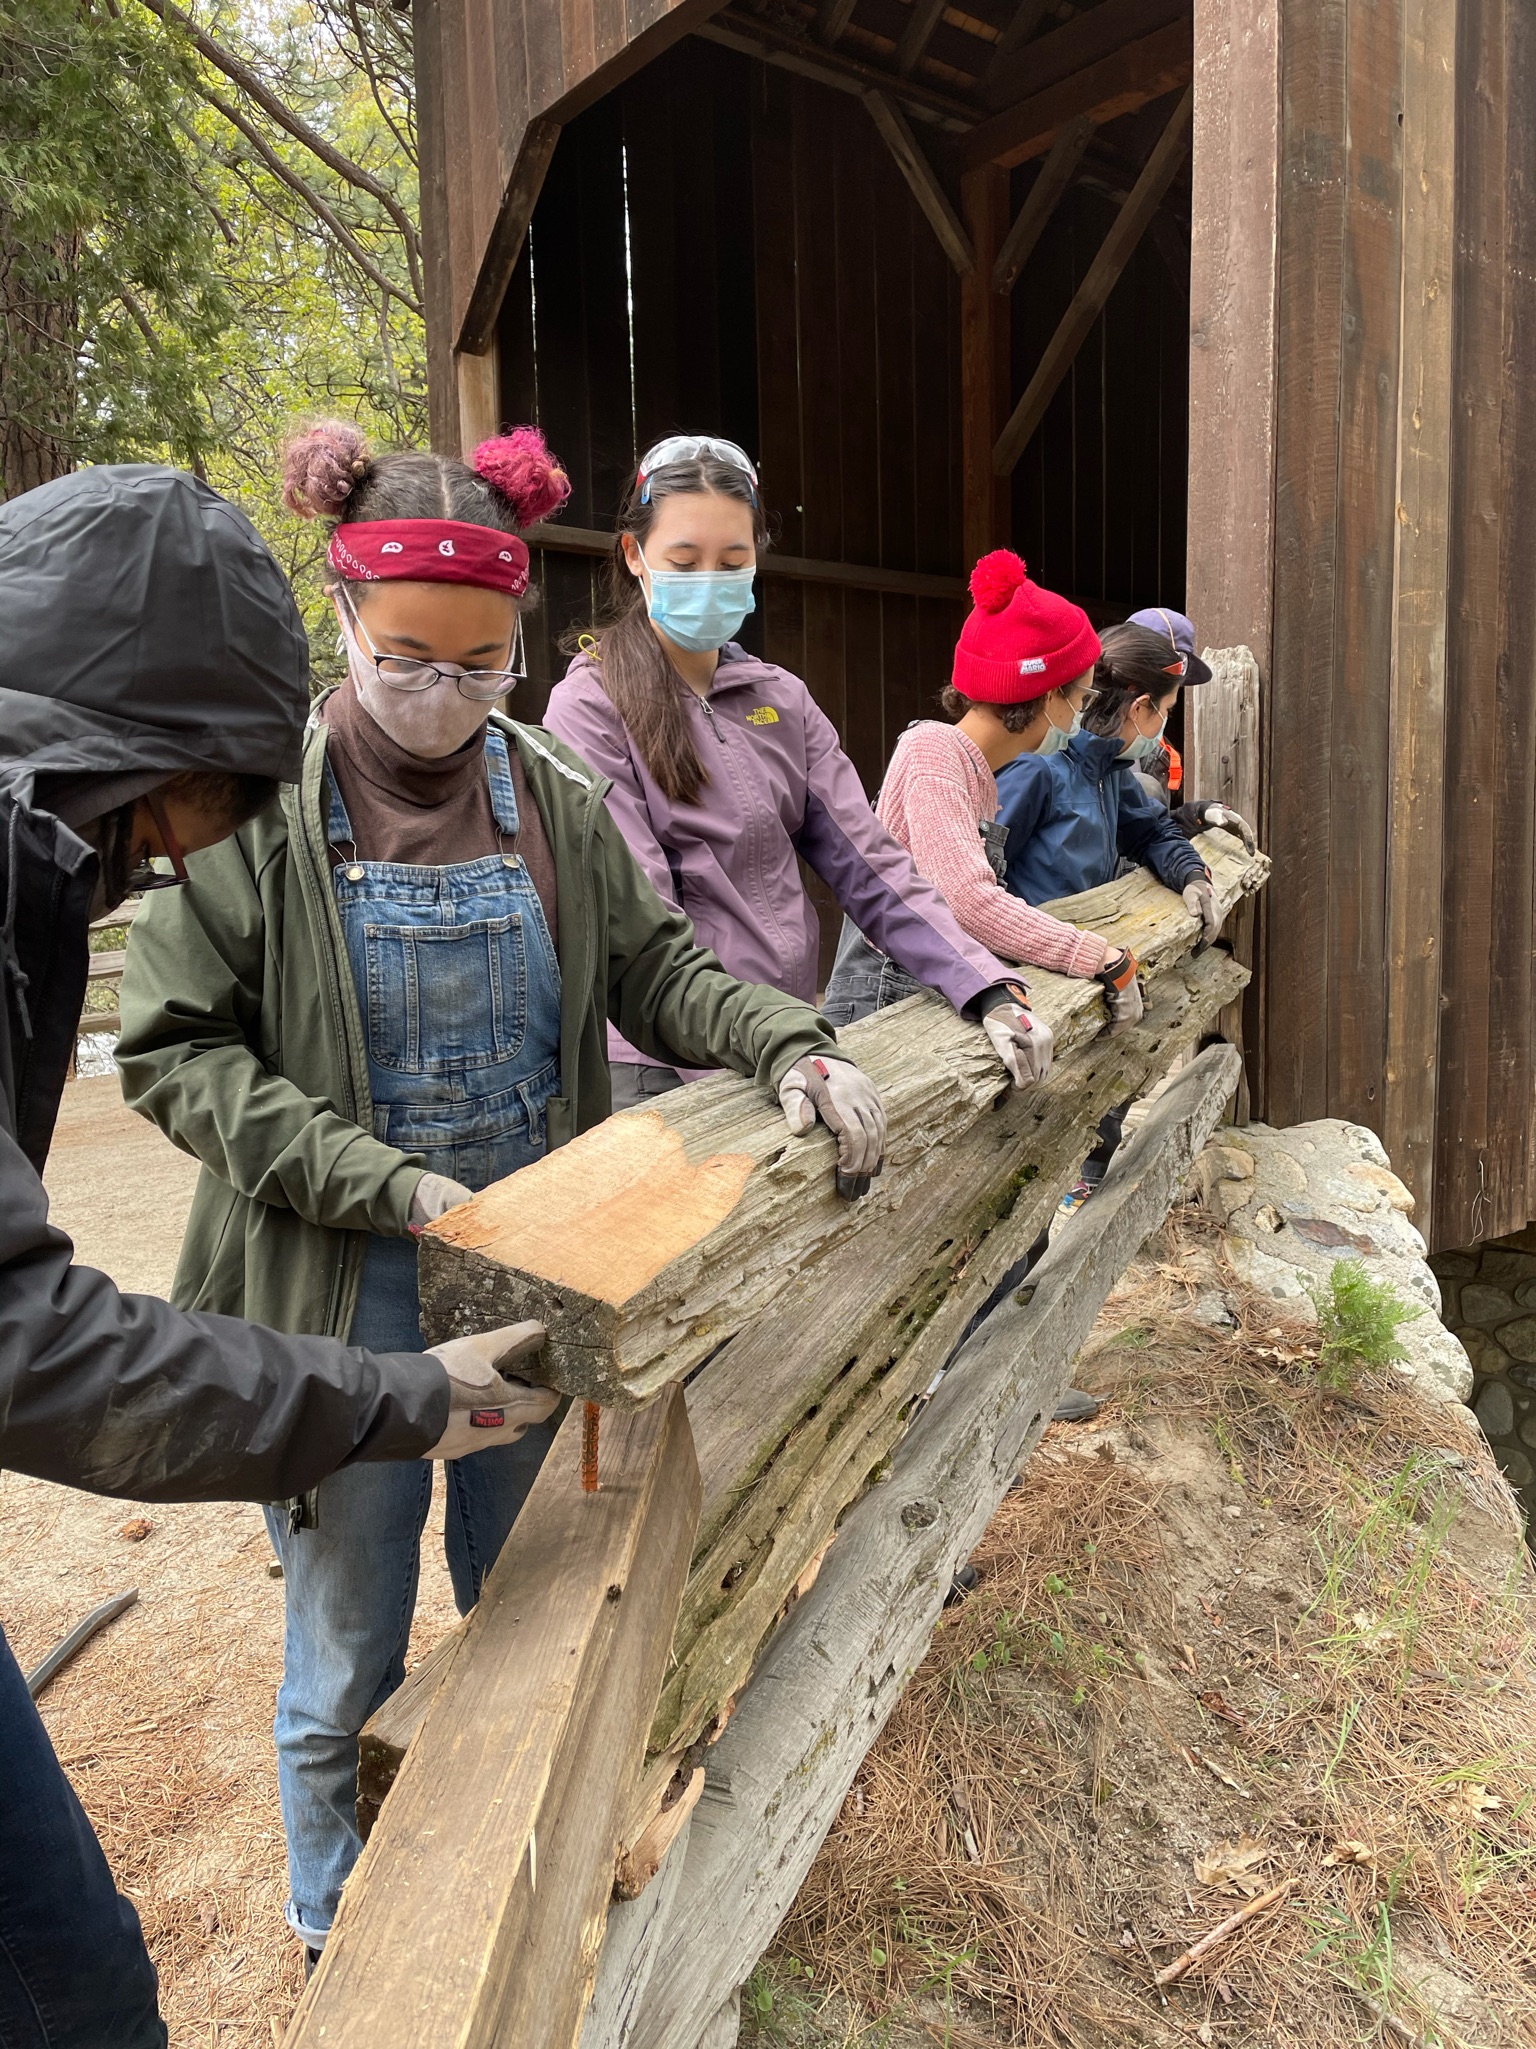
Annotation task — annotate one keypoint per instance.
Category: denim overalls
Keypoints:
(459, 990)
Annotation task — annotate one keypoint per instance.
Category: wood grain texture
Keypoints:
(1051, 183)
(1103, 274)
(475, 1914)
(1159, 63)
(1092, 35)
(832, 1676)
(1415, 861)
(917, 34)
(923, 180)
(622, 1343)
(984, 363)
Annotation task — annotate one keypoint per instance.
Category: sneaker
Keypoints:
(311, 1958)
(963, 1583)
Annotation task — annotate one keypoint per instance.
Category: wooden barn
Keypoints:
(1224, 305)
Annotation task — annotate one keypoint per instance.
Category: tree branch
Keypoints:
(319, 207)
(241, 74)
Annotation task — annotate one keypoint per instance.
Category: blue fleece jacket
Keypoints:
(1071, 816)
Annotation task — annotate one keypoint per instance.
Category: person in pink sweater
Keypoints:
(1022, 670)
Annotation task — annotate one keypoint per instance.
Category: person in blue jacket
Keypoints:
(1071, 816)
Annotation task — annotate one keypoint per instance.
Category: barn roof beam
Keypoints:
(790, 52)
(1026, 19)
(1045, 195)
(918, 33)
(923, 181)
(1103, 274)
(1097, 33)
(1159, 63)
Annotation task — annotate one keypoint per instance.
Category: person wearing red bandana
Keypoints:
(391, 989)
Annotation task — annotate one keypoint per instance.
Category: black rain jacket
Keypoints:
(144, 630)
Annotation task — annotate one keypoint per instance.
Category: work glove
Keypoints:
(848, 1103)
(1121, 980)
(1200, 902)
(1020, 1040)
(484, 1408)
(434, 1196)
(1206, 812)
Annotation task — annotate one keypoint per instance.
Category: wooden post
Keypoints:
(479, 383)
(1415, 854)
(1103, 274)
(984, 364)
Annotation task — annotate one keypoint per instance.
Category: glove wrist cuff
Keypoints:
(1119, 971)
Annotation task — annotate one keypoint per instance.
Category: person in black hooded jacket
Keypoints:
(153, 689)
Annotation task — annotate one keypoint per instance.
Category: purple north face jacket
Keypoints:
(779, 786)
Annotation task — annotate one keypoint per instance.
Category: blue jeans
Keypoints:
(74, 1972)
(863, 980)
(351, 1585)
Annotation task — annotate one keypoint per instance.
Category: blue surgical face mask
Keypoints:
(1056, 737)
(1144, 746)
(699, 609)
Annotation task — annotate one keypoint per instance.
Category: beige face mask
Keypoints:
(429, 723)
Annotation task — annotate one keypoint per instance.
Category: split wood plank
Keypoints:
(794, 1414)
(922, 180)
(1418, 716)
(475, 1914)
(1222, 760)
(828, 1683)
(646, 1243)
(1052, 183)
(1103, 274)
(918, 33)
(1159, 63)
(504, 244)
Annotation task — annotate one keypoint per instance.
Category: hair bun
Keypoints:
(520, 466)
(995, 579)
(321, 466)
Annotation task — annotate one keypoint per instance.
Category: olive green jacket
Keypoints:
(243, 1041)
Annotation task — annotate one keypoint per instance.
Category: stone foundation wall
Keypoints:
(1490, 1303)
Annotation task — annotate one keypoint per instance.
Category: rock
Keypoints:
(1519, 1339)
(1486, 1353)
(1525, 1294)
(1517, 1241)
(1502, 1265)
(1514, 1465)
(1382, 1182)
(1454, 1266)
(1213, 1309)
(1522, 1376)
(1439, 1361)
(1485, 1305)
(1270, 1276)
(1528, 1430)
(1268, 1219)
(1495, 1409)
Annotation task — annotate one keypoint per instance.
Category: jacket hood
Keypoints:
(145, 630)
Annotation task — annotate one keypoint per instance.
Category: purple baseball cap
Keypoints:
(1179, 630)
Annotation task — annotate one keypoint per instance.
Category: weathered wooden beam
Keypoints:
(1222, 760)
(1052, 183)
(918, 33)
(475, 1914)
(832, 17)
(1160, 63)
(648, 1241)
(1103, 274)
(984, 367)
(767, 40)
(479, 382)
(922, 180)
(1026, 18)
(477, 330)
(831, 1677)
(1093, 34)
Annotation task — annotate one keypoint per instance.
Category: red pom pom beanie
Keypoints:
(1020, 641)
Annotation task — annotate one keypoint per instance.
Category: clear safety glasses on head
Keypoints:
(693, 448)
(404, 672)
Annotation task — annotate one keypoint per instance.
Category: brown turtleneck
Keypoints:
(427, 814)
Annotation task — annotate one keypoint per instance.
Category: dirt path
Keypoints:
(164, 1723)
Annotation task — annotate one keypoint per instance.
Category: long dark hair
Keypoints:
(1134, 663)
(642, 685)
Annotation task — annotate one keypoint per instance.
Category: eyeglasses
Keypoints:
(481, 686)
(693, 448)
(146, 876)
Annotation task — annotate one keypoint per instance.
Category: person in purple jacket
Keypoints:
(726, 774)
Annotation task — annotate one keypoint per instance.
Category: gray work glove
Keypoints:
(484, 1408)
(434, 1196)
(1121, 981)
(1225, 819)
(1200, 902)
(1020, 1040)
(848, 1103)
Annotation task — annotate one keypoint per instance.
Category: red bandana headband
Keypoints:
(429, 551)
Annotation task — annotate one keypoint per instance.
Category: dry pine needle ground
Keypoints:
(1234, 1634)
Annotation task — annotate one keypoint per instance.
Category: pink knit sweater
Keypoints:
(937, 793)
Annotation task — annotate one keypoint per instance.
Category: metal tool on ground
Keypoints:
(69, 1646)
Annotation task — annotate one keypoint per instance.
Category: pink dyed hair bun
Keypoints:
(995, 579)
(322, 466)
(520, 466)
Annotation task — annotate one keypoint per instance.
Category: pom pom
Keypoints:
(520, 466)
(995, 579)
(321, 466)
